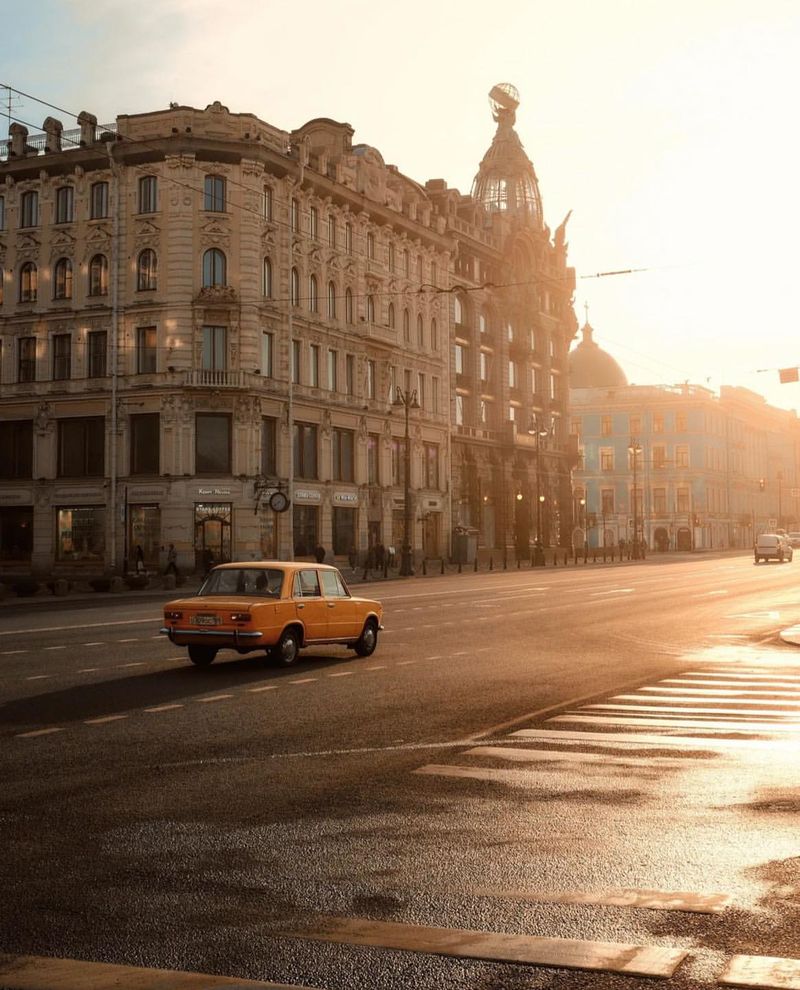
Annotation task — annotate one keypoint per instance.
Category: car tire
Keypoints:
(368, 640)
(202, 656)
(285, 651)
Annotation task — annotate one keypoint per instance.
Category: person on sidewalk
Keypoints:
(319, 553)
(172, 561)
(140, 568)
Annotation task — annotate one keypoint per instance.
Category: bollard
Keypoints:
(575, 551)
(555, 558)
(442, 565)
(424, 567)
(505, 562)
(475, 564)
(459, 567)
(585, 555)
(491, 563)
(517, 563)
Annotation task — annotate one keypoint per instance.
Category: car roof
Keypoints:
(284, 564)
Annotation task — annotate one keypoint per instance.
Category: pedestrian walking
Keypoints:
(172, 560)
(319, 553)
(140, 568)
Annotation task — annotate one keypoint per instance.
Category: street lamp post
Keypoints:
(780, 499)
(407, 399)
(635, 448)
(538, 432)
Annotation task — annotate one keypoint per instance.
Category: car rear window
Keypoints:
(259, 581)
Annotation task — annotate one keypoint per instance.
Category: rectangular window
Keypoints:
(267, 203)
(434, 395)
(305, 450)
(348, 238)
(295, 216)
(145, 443)
(2, 213)
(26, 371)
(81, 447)
(332, 231)
(553, 387)
(607, 501)
(606, 427)
(99, 201)
(659, 457)
(269, 446)
(660, 500)
(62, 353)
(267, 354)
(484, 366)
(682, 457)
(313, 353)
(96, 354)
(146, 350)
(214, 194)
(373, 459)
(343, 532)
(296, 362)
(635, 425)
(431, 465)
(65, 199)
(212, 443)
(81, 533)
(459, 410)
(682, 500)
(350, 375)
(313, 222)
(422, 390)
(513, 377)
(215, 348)
(459, 358)
(333, 367)
(29, 210)
(680, 422)
(343, 445)
(606, 458)
(16, 449)
(658, 423)
(147, 194)
(575, 427)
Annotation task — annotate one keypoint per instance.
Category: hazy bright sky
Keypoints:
(670, 129)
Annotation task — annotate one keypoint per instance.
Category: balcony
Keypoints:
(477, 433)
(376, 331)
(202, 378)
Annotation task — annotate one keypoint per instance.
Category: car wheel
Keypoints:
(202, 656)
(368, 640)
(286, 649)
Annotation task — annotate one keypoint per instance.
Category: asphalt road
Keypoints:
(216, 820)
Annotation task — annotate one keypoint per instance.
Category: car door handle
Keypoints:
(301, 606)
(331, 604)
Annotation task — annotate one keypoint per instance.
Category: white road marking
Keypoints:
(37, 677)
(213, 697)
(103, 720)
(136, 663)
(514, 755)
(736, 692)
(710, 594)
(88, 625)
(436, 656)
(612, 591)
(12, 653)
(687, 710)
(39, 732)
(134, 640)
(405, 663)
(163, 708)
(379, 666)
(656, 900)
(754, 615)
(675, 722)
(88, 670)
(342, 673)
(460, 653)
(641, 740)
(98, 643)
(48, 648)
(265, 687)
(635, 960)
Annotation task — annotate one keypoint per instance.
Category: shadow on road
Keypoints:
(147, 690)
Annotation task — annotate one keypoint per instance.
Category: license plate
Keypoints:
(206, 620)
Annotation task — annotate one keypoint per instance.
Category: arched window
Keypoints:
(391, 315)
(214, 268)
(370, 309)
(434, 336)
(266, 279)
(420, 332)
(62, 279)
(313, 301)
(214, 193)
(348, 306)
(98, 275)
(28, 281)
(146, 271)
(295, 287)
(331, 301)
(406, 326)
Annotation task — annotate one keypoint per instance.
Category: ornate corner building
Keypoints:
(200, 310)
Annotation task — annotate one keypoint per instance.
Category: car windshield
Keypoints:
(259, 581)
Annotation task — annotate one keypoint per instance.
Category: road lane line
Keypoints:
(38, 677)
(266, 687)
(690, 710)
(342, 673)
(98, 643)
(12, 653)
(304, 680)
(103, 720)
(136, 663)
(87, 670)
(39, 732)
(731, 725)
(163, 708)
(48, 648)
(405, 663)
(380, 666)
(613, 957)
(641, 740)
(134, 640)
(88, 625)
(514, 755)
(213, 697)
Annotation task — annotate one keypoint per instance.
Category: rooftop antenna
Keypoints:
(12, 103)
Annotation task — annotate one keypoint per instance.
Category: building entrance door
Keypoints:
(212, 534)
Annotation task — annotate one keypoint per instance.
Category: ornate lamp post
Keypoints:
(538, 432)
(407, 399)
(635, 448)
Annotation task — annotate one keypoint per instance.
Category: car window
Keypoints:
(332, 586)
(306, 584)
(244, 581)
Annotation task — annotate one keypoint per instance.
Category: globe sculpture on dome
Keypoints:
(506, 181)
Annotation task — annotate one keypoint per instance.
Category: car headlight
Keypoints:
(173, 615)
(240, 616)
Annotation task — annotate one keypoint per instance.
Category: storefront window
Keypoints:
(81, 533)
(144, 530)
(306, 530)
(344, 530)
(212, 534)
(16, 533)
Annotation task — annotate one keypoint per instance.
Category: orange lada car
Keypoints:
(276, 606)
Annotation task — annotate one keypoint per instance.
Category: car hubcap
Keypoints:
(288, 649)
(369, 637)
